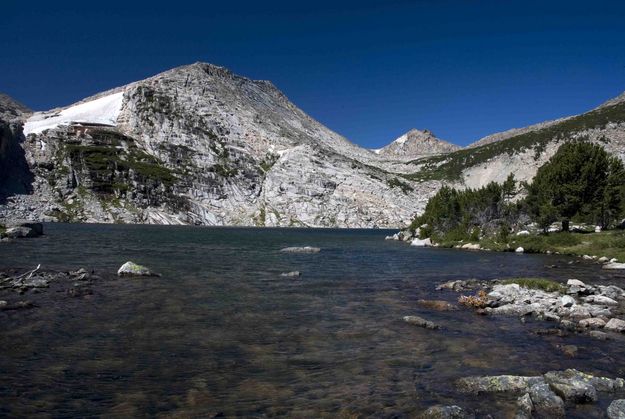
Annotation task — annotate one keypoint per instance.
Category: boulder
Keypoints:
(19, 232)
(446, 412)
(132, 269)
(571, 388)
(614, 265)
(599, 335)
(592, 323)
(421, 242)
(567, 301)
(601, 300)
(616, 410)
(602, 259)
(421, 322)
(519, 250)
(304, 249)
(615, 325)
(611, 291)
(524, 407)
(599, 383)
(471, 246)
(523, 233)
(546, 403)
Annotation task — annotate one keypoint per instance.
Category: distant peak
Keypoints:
(416, 143)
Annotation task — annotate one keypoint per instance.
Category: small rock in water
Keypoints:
(519, 250)
(419, 321)
(292, 274)
(614, 265)
(132, 269)
(304, 249)
(616, 410)
(599, 335)
(569, 350)
(446, 412)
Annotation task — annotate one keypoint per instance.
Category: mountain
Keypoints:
(415, 143)
(523, 151)
(200, 145)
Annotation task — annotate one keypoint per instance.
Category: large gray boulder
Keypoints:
(615, 325)
(616, 410)
(571, 387)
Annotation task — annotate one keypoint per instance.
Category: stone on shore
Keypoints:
(519, 250)
(614, 265)
(421, 322)
(497, 384)
(616, 410)
(524, 407)
(546, 403)
(571, 387)
(600, 299)
(615, 325)
(421, 242)
(132, 269)
(592, 323)
(304, 249)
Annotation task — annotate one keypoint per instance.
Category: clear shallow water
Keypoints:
(221, 332)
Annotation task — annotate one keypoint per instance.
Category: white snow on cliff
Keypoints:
(103, 110)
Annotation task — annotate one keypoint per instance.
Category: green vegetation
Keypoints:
(396, 183)
(267, 163)
(450, 166)
(580, 182)
(3, 229)
(453, 216)
(536, 283)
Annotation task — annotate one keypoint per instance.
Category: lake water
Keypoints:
(221, 333)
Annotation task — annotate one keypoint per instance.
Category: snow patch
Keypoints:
(104, 110)
(401, 140)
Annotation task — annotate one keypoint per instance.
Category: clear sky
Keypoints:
(369, 70)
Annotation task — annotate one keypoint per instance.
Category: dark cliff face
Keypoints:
(15, 174)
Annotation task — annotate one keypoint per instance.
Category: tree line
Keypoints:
(580, 183)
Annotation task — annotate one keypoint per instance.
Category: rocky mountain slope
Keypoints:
(523, 151)
(201, 145)
(413, 144)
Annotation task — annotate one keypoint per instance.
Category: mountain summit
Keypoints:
(414, 144)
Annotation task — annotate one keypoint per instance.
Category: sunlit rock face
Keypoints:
(200, 145)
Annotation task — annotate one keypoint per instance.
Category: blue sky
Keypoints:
(369, 70)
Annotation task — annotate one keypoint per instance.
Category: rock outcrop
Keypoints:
(414, 144)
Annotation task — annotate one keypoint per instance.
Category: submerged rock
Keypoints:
(438, 305)
(446, 412)
(419, 321)
(132, 269)
(304, 249)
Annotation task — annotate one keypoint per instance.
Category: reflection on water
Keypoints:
(222, 333)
